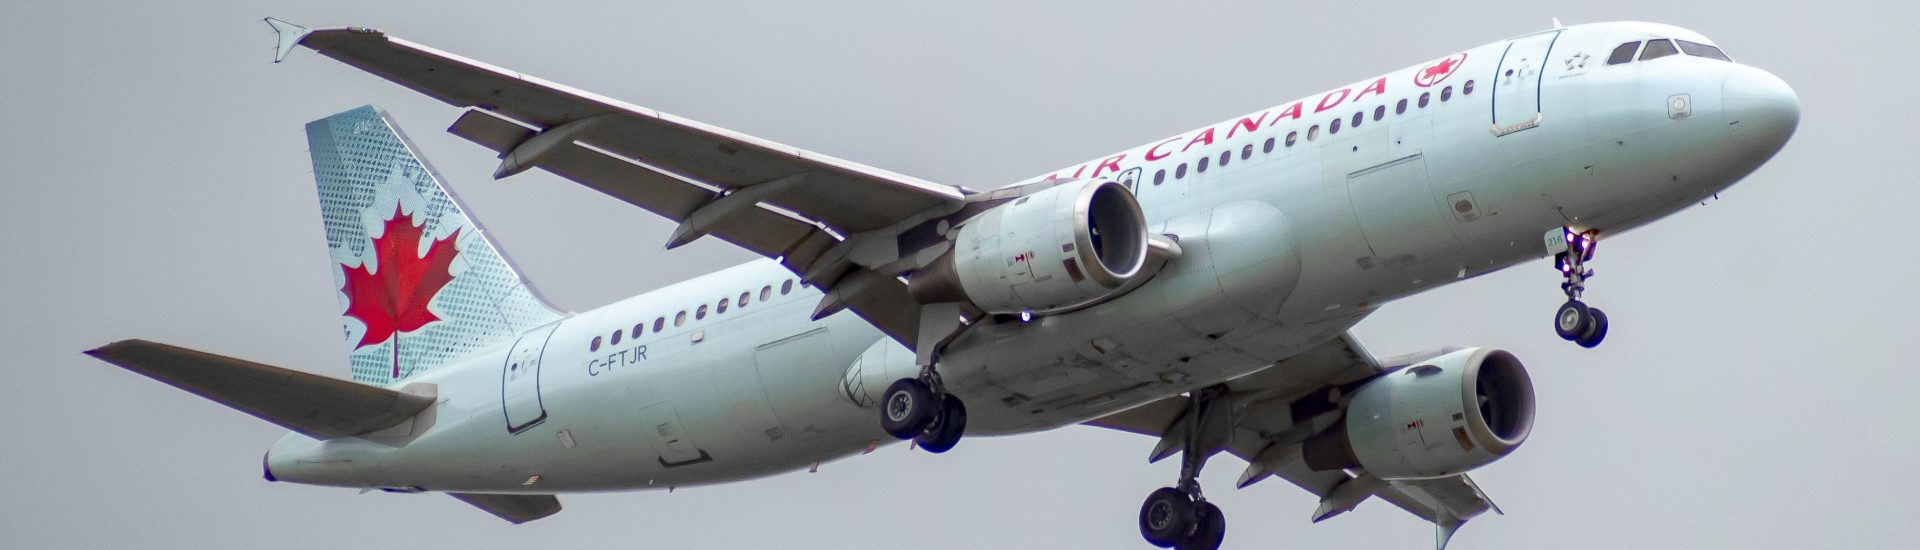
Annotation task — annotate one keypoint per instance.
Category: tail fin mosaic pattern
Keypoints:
(419, 282)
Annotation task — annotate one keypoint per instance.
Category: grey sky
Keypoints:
(1756, 391)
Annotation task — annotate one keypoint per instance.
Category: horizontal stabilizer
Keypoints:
(514, 508)
(314, 405)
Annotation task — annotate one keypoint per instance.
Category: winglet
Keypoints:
(290, 36)
(1443, 532)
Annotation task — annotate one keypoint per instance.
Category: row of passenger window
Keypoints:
(679, 319)
(1661, 47)
(1313, 132)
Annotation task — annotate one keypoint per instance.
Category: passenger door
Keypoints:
(1517, 85)
(520, 380)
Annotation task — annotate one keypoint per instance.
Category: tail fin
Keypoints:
(419, 282)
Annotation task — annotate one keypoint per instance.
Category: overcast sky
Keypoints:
(1757, 390)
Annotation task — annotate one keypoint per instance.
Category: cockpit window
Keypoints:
(1623, 54)
(1702, 50)
(1657, 49)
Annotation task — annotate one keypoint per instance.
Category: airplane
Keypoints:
(1197, 289)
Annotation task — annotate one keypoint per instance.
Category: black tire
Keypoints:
(1596, 333)
(1572, 320)
(947, 429)
(1166, 517)
(1209, 528)
(906, 408)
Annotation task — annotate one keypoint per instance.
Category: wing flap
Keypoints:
(318, 406)
(516, 509)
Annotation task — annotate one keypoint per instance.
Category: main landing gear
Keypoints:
(1180, 517)
(920, 409)
(1575, 321)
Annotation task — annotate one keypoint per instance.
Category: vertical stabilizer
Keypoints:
(419, 282)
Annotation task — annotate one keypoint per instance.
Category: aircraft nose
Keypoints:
(1762, 111)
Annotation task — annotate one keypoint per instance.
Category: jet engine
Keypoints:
(1439, 417)
(1063, 246)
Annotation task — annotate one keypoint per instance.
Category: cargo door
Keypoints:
(1397, 212)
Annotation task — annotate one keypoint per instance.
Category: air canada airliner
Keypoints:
(1198, 289)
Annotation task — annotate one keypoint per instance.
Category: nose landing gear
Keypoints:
(1575, 321)
(1180, 517)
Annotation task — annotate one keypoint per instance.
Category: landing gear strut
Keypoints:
(1180, 516)
(1575, 321)
(920, 409)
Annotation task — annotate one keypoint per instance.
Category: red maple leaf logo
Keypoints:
(1439, 71)
(394, 299)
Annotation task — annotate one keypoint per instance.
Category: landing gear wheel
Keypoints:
(1597, 332)
(1166, 517)
(1209, 528)
(946, 429)
(1572, 320)
(907, 408)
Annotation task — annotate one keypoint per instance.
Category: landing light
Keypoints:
(1026, 316)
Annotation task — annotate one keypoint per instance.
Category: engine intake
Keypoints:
(1437, 418)
(1063, 246)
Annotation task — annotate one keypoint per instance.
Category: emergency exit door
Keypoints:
(520, 380)
(1517, 85)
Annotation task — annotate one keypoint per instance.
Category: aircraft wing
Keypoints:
(1271, 412)
(779, 201)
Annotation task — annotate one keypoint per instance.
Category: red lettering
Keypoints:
(1330, 96)
(1154, 153)
(1109, 164)
(1077, 171)
(1292, 111)
(1378, 87)
(1205, 138)
(1248, 124)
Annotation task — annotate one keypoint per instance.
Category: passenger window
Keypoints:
(1268, 148)
(1702, 50)
(680, 318)
(1313, 132)
(659, 324)
(766, 293)
(1180, 171)
(636, 329)
(1357, 118)
(1333, 127)
(1623, 53)
(595, 346)
(1446, 93)
(615, 339)
(1657, 49)
(1467, 89)
(743, 298)
(1159, 176)
(1424, 96)
(1225, 156)
(1202, 165)
(721, 307)
(786, 286)
(1379, 113)
(1292, 137)
(701, 313)
(1247, 152)
(1400, 108)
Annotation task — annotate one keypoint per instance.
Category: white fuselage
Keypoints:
(1283, 249)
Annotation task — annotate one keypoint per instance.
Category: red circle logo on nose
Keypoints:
(1439, 70)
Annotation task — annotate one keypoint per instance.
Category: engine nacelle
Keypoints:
(1067, 245)
(1436, 418)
